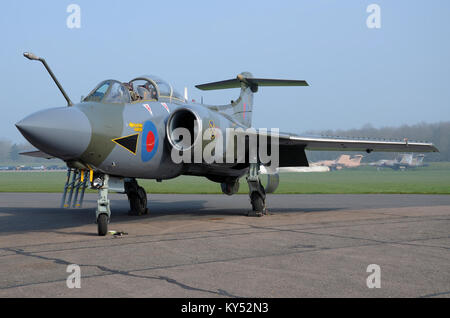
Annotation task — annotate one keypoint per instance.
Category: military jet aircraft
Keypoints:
(402, 162)
(124, 131)
(344, 161)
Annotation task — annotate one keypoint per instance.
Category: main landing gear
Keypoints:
(137, 197)
(256, 191)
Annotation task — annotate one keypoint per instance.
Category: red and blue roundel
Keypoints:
(149, 141)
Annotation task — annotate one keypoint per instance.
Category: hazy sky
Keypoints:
(398, 74)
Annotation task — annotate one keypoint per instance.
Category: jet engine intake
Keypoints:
(183, 129)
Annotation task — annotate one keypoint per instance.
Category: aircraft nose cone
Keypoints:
(61, 132)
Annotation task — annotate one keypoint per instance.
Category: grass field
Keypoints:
(434, 179)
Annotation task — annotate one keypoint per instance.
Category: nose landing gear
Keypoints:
(103, 212)
(136, 197)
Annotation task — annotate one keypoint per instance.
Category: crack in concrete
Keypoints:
(436, 294)
(111, 271)
(108, 271)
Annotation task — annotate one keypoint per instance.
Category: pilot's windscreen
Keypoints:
(99, 93)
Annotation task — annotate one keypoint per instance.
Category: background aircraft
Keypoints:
(402, 162)
(124, 131)
(344, 161)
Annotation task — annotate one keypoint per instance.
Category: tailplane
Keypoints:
(242, 108)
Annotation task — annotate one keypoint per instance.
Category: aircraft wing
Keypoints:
(292, 147)
(358, 144)
(36, 154)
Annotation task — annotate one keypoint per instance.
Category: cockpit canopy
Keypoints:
(144, 88)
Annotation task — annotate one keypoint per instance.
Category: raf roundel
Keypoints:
(149, 141)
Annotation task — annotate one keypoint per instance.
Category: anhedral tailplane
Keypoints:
(243, 106)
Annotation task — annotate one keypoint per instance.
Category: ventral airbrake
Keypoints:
(124, 131)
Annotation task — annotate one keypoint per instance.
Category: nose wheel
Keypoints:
(103, 212)
(102, 224)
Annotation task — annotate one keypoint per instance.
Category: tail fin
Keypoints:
(243, 106)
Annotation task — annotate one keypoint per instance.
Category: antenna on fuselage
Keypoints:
(33, 57)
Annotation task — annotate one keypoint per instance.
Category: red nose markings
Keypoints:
(150, 142)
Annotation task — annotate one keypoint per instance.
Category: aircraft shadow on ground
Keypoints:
(48, 219)
(53, 219)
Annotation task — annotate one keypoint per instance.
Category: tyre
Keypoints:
(142, 201)
(102, 224)
(257, 202)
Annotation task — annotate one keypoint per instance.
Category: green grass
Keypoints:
(430, 180)
(434, 179)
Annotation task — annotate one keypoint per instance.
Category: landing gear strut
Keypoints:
(256, 192)
(103, 212)
(136, 197)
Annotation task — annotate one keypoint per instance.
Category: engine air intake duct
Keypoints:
(183, 129)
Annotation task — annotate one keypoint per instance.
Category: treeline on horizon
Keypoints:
(9, 155)
(437, 133)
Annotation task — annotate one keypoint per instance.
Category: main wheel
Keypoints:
(257, 202)
(138, 202)
(102, 224)
(142, 195)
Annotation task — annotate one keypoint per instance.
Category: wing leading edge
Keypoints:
(354, 144)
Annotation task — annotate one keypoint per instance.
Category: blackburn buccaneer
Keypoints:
(344, 161)
(402, 162)
(144, 129)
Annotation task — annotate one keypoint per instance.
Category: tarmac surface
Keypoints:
(205, 246)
